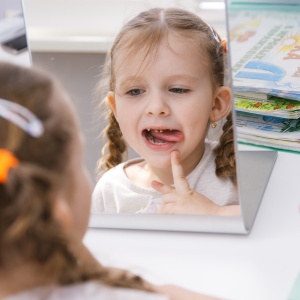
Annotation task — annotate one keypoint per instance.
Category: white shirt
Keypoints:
(91, 290)
(115, 192)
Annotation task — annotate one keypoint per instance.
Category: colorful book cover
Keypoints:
(274, 106)
(265, 49)
(268, 126)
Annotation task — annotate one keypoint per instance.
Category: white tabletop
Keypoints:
(263, 265)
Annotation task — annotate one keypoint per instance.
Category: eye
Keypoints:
(135, 92)
(179, 90)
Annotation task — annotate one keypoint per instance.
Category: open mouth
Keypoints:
(162, 136)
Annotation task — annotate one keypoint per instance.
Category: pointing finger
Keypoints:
(180, 182)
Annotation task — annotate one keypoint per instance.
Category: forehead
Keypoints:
(184, 49)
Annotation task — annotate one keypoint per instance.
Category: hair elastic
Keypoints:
(21, 117)
(224, 43)
(7, 161)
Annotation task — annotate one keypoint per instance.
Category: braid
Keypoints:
(115, 146)
(29, 232)
(225, 153)
(27, 226)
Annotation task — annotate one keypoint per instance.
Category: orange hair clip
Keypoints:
(224, 43)
(7, 161)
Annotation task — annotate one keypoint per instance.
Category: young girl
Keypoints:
(45, 201)
(165, 78)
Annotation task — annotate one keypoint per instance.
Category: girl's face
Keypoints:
(166, 104)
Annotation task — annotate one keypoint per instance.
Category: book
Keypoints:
(252, 95)
(265, 59)
(274, 106)
(268, 126)
(265, 49)
(269, 143)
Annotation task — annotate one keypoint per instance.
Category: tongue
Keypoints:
(168, 136)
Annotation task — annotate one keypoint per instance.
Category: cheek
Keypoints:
(196, 116)
(127, 117)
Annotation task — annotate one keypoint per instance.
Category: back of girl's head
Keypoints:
(144, 33)
(28, 231)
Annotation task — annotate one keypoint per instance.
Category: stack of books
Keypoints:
(265, 60)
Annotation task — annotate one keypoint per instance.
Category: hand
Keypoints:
(181, 199)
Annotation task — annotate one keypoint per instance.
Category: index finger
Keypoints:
(180, 182)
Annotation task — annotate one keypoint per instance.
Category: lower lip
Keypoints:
(156, 147)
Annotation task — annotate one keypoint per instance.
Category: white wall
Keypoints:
(91, 25)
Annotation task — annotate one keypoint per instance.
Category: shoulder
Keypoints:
(115, 192)
(211, 144)
(96, 290)
(115, 176)
(205, 181)
(118, 171)
(87, 291)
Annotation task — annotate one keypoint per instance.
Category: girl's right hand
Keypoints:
(181, 199)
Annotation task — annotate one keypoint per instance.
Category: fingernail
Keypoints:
(175, 154)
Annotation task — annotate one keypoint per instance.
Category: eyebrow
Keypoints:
(129, 79)
(124, 83)
(185, 77)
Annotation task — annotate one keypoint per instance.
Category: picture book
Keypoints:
(274, 106)
(265, 49)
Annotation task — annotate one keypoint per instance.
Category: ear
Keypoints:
(110, 98)
(63, 214)
(222, 104)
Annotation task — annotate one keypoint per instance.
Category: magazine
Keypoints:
(274, 106)
(265, 49)
(268, 126)
(268, 142)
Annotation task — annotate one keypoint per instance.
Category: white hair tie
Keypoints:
(21, 117)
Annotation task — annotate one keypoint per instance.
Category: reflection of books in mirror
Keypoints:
(265, 49)
(268, 142)
(252, 95)
(274, 106)
(268, 131)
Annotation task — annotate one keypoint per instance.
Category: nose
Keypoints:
(157, 106)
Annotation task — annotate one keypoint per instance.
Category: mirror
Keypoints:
(73, 43)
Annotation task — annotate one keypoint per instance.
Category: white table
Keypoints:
(261, 266)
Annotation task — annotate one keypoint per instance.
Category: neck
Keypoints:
(19, 279)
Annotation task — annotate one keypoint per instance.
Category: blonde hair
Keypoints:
(145, 31)
(29, 231)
